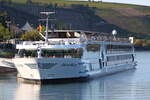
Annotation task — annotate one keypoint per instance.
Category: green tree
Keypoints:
(31, 36)
(2, 18)
(29, 1)
(138, 42)
(5, 34)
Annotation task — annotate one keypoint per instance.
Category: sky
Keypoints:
(138, 2)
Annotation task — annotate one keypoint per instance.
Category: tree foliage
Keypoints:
(5, 34)
(3, 18)
(31, 36)
(142, 42)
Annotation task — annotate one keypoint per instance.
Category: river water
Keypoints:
(129, 85)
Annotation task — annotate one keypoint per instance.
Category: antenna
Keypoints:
(47, 16)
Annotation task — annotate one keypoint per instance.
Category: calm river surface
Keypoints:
(129, 85)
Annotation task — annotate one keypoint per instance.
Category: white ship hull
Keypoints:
(60, 68)
(112, 69)
(50, 68)
(5, 62)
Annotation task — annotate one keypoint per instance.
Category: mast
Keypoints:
(47, 19)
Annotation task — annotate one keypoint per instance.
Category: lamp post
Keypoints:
(114, 33)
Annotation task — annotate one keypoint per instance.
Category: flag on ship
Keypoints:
(39, 28)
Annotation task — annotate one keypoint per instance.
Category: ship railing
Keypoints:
(76, 41)
(31, 42)
(64, 42)
(108, 38)
(52, 42)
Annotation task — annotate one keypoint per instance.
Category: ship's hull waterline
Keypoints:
(63, 70)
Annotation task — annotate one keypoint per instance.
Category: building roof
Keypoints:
(27, 27)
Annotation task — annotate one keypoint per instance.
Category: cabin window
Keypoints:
(71, 53)
(119, 59)
(27, 53)
(93, 47)
(118, 48)
(64, 35)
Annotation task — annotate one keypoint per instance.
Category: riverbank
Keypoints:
(142, 48)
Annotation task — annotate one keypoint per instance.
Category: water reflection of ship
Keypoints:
(100, 89)
(28, 92)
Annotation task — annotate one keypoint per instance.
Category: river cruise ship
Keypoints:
(74, 54)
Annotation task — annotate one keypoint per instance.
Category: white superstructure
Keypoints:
(73, 54)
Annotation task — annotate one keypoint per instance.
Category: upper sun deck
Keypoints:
(79, 35)
(62, 39)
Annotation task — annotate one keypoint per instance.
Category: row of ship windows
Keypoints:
(117, 51)
(72, 53)
(41, 66)
(118, 48)
(110, 48)
(119, 62)
(120, 57)
(50, 65)
(112, 60)
(125, 47)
